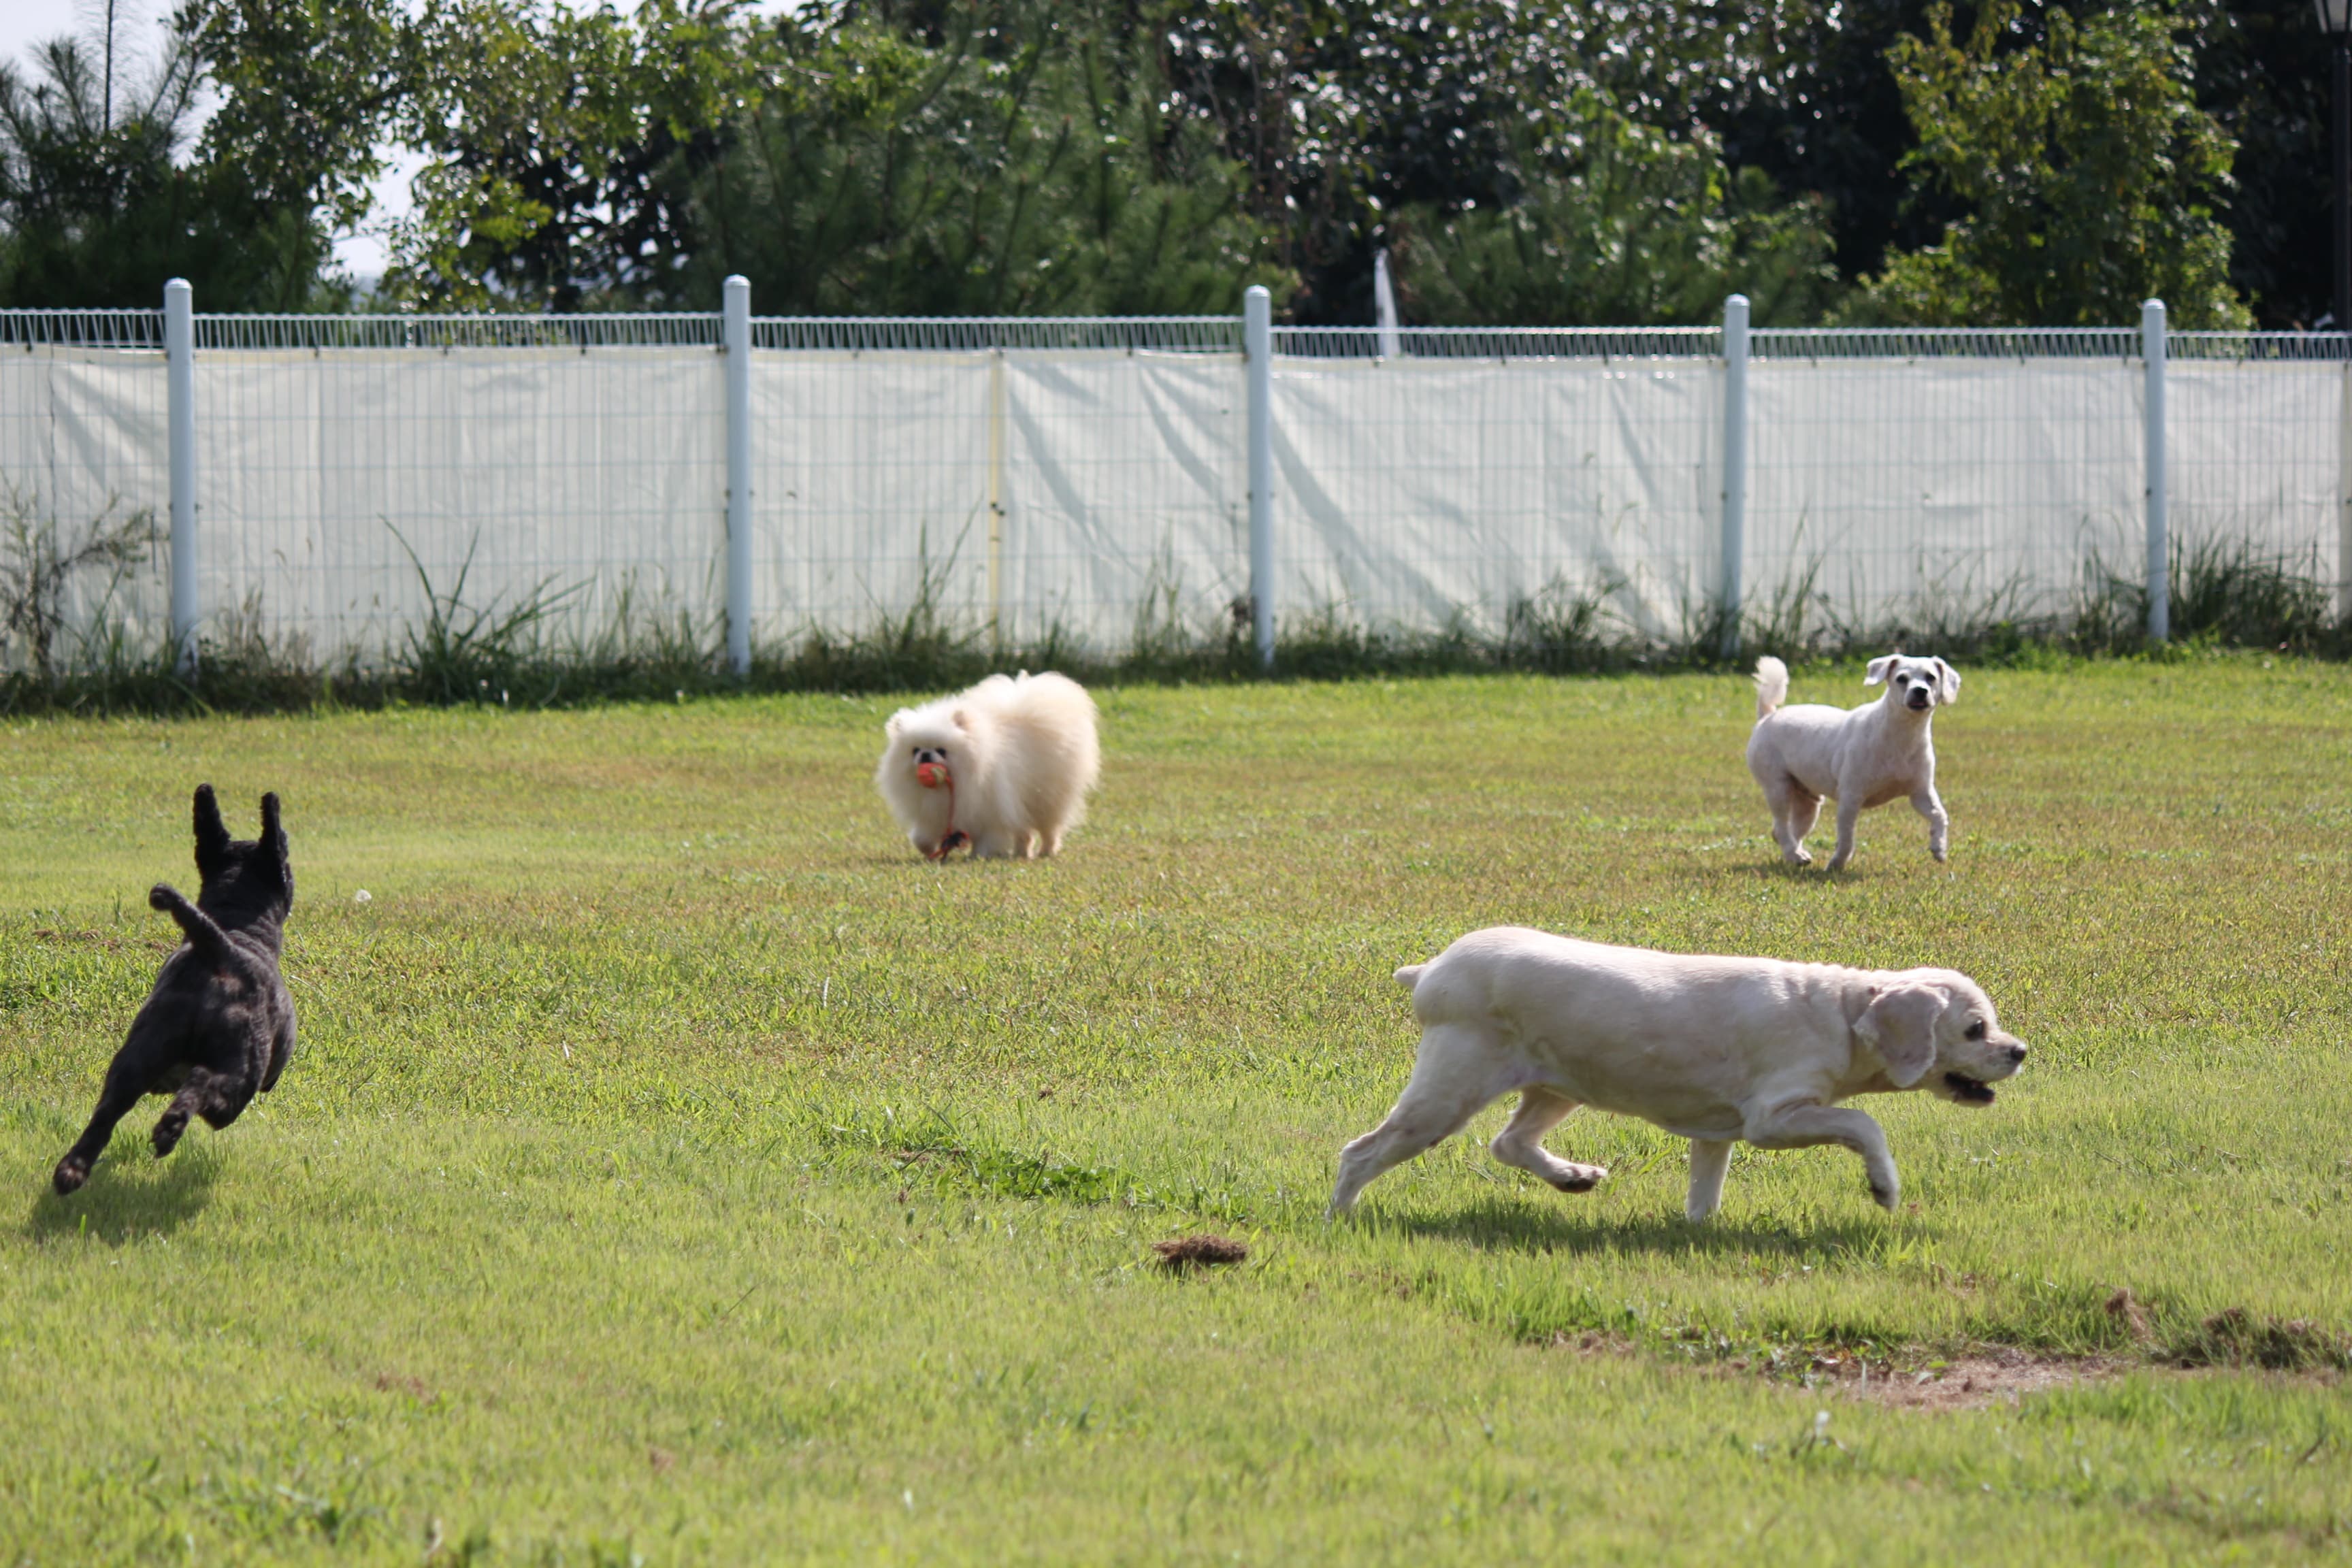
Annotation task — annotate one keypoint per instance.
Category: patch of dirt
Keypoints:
(660, 1461)
(1994, 1374)
(1986, 1376)
(401, 1382)
(2240, 1338)
(107, 940)
(1592, 1342)
(1204, 1251)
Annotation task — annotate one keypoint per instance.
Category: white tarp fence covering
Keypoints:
(1101, 494)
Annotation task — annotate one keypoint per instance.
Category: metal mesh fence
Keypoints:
(83, 453)
(1087, 480)
(1442, 493)
(342, 494)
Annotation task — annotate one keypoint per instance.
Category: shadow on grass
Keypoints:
(1512, 1228)
(130, 1195)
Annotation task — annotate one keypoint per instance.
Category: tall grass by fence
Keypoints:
(465, 508)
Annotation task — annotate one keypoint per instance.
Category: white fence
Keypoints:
(1095, 476)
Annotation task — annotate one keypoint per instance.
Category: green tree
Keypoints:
(560, 146)
(2091, 179)
(1617, 224)
(1029, 168)
(105, 191)
(986, 156)
(306, 93)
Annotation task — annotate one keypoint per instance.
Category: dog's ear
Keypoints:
(211, 834)
(1876, 673)
(1900, 1025)
(897, 722)
(273, 842)
(1948, 682)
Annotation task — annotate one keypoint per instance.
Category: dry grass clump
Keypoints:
(1185, 1253)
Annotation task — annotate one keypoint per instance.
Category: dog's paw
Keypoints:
(1580, 1178)
(1886, 1198)
(1941, 855)
(167, 1133)
(159, 897)
(70, 1173)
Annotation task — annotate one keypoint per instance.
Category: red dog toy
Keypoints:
(935, 775)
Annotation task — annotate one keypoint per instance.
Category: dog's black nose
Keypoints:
(2016, 1053)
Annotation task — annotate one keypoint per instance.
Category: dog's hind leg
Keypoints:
(1709, 1159)
(1804, 810)
(224, 1099)
(1795, 808)
(1521, 1143)
(216, 1096)
(126, 1082)
(1454, 1076)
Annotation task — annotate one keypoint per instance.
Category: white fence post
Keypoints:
(1384, 310)
(2344, 488)
(1258, 346)
(1735, 462)
(736, 337)
(2159, 590)
(180, 392)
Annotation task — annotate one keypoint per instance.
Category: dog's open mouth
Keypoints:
(1920, 701)
(1968, 1090)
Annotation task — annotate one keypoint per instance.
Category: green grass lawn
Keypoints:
(675, 1167)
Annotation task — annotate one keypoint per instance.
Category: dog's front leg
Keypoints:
(1805, 1126)
(126, 1082)
(1926, 801)
(1709, 1160)
(1848, 811)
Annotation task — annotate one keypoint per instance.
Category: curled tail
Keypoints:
(1771, 685)
(202, 933)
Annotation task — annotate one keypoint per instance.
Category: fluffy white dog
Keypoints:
(1005, 767)
(1717, 1050)
(1860, 757)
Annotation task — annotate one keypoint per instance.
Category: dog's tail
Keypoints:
(1771, 685)
(203, 935)
(1410, 975)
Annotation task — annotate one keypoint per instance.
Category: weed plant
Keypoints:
(509, 653)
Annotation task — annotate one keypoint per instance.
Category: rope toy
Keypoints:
(935, 775)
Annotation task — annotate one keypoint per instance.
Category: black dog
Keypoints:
(219, 1026)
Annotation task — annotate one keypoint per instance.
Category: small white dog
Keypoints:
(1717, 1050)
(1860, 757)
(1005, 767)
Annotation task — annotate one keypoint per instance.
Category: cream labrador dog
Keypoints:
(1860, 757)
(1717, 1050)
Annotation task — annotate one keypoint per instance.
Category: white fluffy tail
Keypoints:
(1771, 685)
(1410, 975)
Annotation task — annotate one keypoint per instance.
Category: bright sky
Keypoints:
(26, 22)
